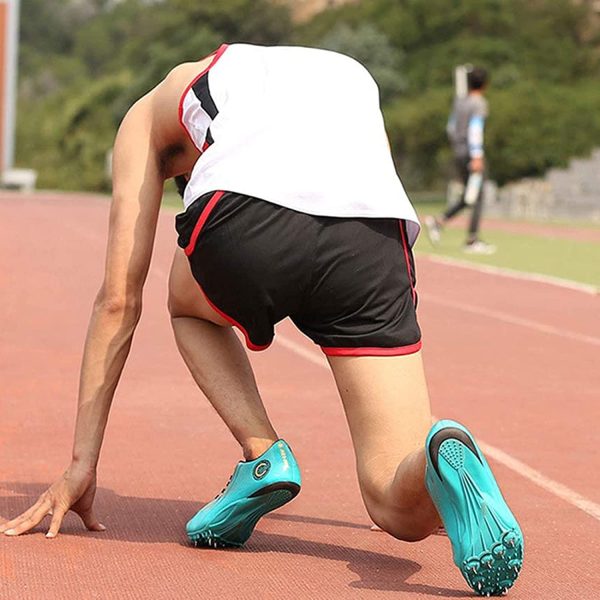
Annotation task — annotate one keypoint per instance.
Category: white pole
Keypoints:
(460, 81)
(10, 94)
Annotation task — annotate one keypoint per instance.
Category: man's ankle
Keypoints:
(255, 446)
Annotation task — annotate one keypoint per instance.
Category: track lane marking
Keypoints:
(507, 318)
(553, 487)
(512, 273)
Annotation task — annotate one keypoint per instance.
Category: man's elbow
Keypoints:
(125, 307)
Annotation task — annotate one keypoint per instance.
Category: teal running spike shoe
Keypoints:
(487, 542)
(255, 488)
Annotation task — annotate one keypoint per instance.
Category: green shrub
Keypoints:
(84, 62)
(532, 127)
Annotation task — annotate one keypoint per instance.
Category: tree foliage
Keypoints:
(83, 62)
(371, 47)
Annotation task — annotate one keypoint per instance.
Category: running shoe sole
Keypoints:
(236, 522)
(486, 539)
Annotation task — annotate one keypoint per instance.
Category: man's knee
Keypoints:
(408, 519)
(409, 524)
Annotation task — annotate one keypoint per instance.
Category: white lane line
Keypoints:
(553, 487)
(558, 489)
(507, 318)
(313, 357)
(504, 272)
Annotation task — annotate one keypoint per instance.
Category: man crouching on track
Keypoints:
(293, 209)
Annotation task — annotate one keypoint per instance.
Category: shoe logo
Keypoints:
(445, 434)
(261, 469)
(282, 453)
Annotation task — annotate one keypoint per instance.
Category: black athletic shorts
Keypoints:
(347, 283)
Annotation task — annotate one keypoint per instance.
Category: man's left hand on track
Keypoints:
(75, 491)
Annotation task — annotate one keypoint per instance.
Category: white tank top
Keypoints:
(298, 127)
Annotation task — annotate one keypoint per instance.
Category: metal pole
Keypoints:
(460, 80)
(10, 100)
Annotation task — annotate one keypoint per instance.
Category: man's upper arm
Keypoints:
(476, 128)
(137, 191)
(149, 134)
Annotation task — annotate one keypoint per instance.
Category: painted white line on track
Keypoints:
(553, 487)
(558, 489)
(512, 273)
(313, 357)
(507, 318)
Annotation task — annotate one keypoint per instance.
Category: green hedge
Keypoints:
(84, 62)
(532, 127)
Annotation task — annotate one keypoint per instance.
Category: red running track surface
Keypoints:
(517, 361)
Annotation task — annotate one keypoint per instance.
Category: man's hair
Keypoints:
(181, 183)
(477, 78)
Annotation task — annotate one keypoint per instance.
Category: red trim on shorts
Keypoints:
(232, 321)
(188, 251)
(398, 351)
(201, 221)
(216, 56)
(407, 259)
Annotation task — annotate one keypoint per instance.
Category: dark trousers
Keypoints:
(461, 165)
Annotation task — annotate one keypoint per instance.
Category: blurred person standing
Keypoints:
(465, 131)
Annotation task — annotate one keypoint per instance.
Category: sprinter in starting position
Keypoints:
(292, 209)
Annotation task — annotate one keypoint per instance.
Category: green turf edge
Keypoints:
(572, 260)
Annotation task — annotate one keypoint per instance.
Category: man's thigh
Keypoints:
(185, 295)
(387, 406)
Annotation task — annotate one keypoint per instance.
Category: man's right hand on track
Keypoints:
(75, 491)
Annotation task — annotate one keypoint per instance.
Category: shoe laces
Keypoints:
(225, 488)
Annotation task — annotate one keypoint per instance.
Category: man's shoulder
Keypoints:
(478, 104)
(180, 75)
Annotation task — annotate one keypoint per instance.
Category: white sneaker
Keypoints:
(479, 247)
(433, 230)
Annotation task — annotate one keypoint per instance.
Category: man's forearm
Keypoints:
(475, 137)
(106, 349)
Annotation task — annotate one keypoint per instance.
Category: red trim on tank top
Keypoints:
(216, 56)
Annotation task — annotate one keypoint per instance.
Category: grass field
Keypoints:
(568, 259)
(577, 261)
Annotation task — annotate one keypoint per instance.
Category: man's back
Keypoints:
(465, 109)
(299, 127)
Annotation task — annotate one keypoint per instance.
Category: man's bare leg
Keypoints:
(387, 407)
(217, 362)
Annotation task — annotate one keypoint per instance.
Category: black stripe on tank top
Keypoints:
(203, 94)
(208, 140)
